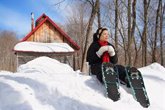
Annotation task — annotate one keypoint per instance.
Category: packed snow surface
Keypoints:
(46, 84)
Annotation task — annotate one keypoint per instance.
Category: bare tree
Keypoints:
(156, 32)
(7, 42)
(98, 15)
(122, 31)
(133, 29)
(77, 24)
(144, 34)
(89, 30)
(129, 32)
(162, 10)
(116, 24)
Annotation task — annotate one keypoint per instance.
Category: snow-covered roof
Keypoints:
(42, 47)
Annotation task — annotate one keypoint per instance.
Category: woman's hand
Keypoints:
(102, 50)
(111, 51)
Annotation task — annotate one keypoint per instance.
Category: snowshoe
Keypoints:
(110, 79)
(136, 82)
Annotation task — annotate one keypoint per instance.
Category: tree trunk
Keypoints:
(123, 39)
(88, 33)
(133, 27)
(156, 33)
(116, 24)
(129, 32)
(98, 15)
(144, 34)
(161, 33)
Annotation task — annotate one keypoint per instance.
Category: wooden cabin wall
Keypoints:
(23, 58)
(47, 34)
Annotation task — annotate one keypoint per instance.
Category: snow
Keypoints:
(43, 47)
(46, 84)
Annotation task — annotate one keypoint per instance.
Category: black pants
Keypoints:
(96, 70)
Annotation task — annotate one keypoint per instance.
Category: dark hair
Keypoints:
(98, 33)
(95, 35)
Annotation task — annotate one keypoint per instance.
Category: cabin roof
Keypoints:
(45, 19)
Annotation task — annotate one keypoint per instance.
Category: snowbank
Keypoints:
(46, 84)
(45, 65)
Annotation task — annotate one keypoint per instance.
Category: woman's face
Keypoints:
(104, 35)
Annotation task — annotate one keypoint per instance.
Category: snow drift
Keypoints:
(46, 84)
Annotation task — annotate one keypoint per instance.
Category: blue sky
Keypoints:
(15, 14)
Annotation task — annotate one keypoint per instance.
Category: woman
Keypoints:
(100, 51)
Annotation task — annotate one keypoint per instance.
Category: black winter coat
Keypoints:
(95, 62)
(92, 57)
